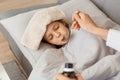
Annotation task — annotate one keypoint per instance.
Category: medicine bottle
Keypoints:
(68, 71)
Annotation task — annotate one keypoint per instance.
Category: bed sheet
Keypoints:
(51, 64)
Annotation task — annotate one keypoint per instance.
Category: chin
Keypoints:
(65, 42)
(62, 44)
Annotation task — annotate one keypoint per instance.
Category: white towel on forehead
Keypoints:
(36, 27)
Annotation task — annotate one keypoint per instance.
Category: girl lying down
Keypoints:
(92, 59)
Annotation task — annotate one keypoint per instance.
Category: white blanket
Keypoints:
(90, 55)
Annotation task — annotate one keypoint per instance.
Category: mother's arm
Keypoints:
(84, 21)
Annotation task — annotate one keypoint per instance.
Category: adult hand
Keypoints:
(83, 20)
(62, 77)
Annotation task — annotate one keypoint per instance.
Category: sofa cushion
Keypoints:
(110, 7)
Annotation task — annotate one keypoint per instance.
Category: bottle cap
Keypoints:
(68, 65)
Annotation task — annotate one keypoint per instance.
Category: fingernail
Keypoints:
(76, 11)
(75, 22)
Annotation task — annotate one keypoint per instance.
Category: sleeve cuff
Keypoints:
(113, 39)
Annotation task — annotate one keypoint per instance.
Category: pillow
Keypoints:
(110, 7)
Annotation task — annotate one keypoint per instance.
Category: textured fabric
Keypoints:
(51, 64)
(110, 7)
(13, 71)
(104, 69)
(113, 39)
(36, 27)
(48, 65)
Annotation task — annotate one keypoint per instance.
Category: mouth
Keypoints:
(65, 37)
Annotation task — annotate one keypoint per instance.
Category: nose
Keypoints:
(57, 34)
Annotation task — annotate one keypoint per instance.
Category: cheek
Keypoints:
(54, 41)
(57, 41)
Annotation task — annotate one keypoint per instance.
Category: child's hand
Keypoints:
(62, 77)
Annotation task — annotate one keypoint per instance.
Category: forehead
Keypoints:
(50, 27)
(53, 23)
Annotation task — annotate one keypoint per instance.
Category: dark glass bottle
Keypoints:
(69, 71)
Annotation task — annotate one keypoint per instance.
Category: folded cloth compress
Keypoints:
(36, 27)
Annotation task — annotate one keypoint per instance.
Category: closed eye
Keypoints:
(50, 37)
(55, 27)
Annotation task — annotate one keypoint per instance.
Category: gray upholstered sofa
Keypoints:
(109, 7)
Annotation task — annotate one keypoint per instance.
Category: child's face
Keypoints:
(57, 33)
